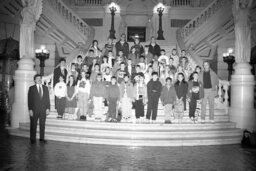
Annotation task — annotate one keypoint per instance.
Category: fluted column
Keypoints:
(23, 77)
(242, 81)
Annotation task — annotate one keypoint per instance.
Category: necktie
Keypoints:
(40, 92)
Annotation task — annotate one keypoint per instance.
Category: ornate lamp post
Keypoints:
(112, 31)
(160, 31)
(229, 59)
(42, 54)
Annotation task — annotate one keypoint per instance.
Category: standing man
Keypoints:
(60, 71)
(122, 45)
(210, 82)
(39, 107)
(154, 48)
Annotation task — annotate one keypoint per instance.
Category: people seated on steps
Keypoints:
(92, 102)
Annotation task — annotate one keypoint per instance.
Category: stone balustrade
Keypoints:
(202, 17)
(71, 17)
(88, 2)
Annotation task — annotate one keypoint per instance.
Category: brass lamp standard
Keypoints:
(112, 29)
(42, 54)
(160, 31)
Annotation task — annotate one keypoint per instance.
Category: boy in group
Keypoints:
(175, 57)
(79, 64)
(168, 98)
(60, 92)
(113, 96)
(140, 97)
(121, 72)
(126, 94)
(142, 64)
(154, 88)
(97, 95)
(163, 58)
(129, 67)
(148, 55)
(89, 58)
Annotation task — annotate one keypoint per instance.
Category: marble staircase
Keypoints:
(128, 134)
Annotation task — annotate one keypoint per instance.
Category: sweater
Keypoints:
(201, 89)
(154, 88)
(168, 96)
(98, 89)
(113, 92)
(129, 89)
(214, 80)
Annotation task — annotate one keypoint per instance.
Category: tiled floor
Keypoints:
(17, 154)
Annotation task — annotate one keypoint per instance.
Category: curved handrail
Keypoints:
(202, 17)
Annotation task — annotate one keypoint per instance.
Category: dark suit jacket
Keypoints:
(56, 75)
(37, 104)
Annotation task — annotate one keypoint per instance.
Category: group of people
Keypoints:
(126, 78)
(119, 77)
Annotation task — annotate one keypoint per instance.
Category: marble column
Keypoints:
(242, 81)
(23, 77)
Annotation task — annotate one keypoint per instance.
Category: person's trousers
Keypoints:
(112, 108)
(60, 105)
(98, 107)
(33, 125)
(168, 112)
(126, 107)
(208, 96)
(139, 108)
(83, 103)
(152, 107)
(192, 105)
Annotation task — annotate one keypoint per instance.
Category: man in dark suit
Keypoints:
(60, 71)
(39, 107)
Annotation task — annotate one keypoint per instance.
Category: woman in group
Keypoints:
(71, 102)
(195, 93)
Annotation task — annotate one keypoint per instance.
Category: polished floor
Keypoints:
(18, 154)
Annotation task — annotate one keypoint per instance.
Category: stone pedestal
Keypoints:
(24, 78)
(242, 110)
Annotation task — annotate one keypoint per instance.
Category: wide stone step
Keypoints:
(131, 141)
(136, 134)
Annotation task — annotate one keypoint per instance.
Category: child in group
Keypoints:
(126, 95)
(107, 75)
(97, 95)
(129, 67)
(113, 96)
(89, 57)
(138, 47)
(116, 66)
(171, 66)
(94, 73)
(140, 97)
(154, 88)
(163, 58)
(79, 64)
(60, 92)
(133, 56)
(148, 55)
(181, 70)
(85, 68)
(71, 102)
(111, 59)
(137, 71)
(155, 64)
(175, 57)
(105, 63)
(148, 74)
(181, 88)
(168, 98)
(73, 71)
(195, 93)
(142, 64)
(82, 91)
(121, 72)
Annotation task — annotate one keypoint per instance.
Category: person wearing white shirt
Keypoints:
(176, 59)
(82, 92)
(163, 58)
(60, 91)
